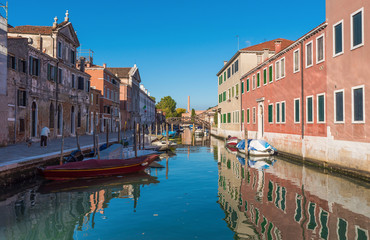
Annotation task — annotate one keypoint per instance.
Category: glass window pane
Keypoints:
(270, 113)
(309, 110)
(321, 111)
(339, 106)
(358, 104)
(283, 112)
(338, 38)
(296, 105)
(357, 29)
(320, 49)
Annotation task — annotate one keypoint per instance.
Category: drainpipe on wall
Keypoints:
(302, 93)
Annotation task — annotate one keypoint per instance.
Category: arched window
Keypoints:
(51, 116)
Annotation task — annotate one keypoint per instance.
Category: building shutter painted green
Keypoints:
(321, 106)
(242, 87)
(248, 85)
(296, 103)
(247, 115)
(264, 76)
(258, 79)
(242, 116)
(309, 110)
(270, 73)
(283, 112)
(270, 113)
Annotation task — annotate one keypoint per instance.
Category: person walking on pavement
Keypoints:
(44, 136)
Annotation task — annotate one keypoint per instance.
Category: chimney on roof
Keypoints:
(188, 104)
(55, 23)
(66, 18)
(104, 65)
(225, 62)
(277, 46)
(265, 54)
(82, 64)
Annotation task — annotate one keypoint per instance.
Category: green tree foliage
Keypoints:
(152, 98)
(192, 114)
(180, 111)
(168, 105)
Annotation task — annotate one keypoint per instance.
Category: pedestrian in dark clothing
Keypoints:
(44, 137)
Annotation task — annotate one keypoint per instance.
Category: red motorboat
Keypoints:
(97, 168)
(232, 141)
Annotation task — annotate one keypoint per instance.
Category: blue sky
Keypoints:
(178, 45)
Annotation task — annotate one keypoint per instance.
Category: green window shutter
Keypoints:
(237, 90)
(264, 76)
(232, 91)
(225, 76)
(242, 87)
(224, 117)
(309, 110)
(283, 112)
(296, 104)
(270, 113)
(221, 78)
(248, 85)
(321, 111)
(247, 115)
(270, 73)
(224, 95)
(278, 112)
(229, 118)
(242, 116)
(258, 79)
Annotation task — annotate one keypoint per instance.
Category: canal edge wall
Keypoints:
(321, 152)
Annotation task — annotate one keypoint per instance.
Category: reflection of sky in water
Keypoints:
(203, 193)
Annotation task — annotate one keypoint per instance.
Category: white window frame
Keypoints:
(363, 29)
(365, 230)
(281, 72)
(346, 227)
(299, 61)
(323, 49)
(313, 110)
(243, 111)
(268, 77)
(335, 107)
(317, 108)
(254, 115)
(281, 112)
(237, 114)
(363, 104)
(336, 24)
(276, 112)
(310, 42)
(248, 83)
(259, 73)
(253, 82)
(295, 110)
(277, 70)
(242, 87)
(273, 111)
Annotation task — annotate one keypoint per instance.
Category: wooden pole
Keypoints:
(94, 140)
(107, 129)
(97, 145)
(62, 147)
(246, 140)
(166, 134)
(156, 129)
(138, 131)
(172, 127)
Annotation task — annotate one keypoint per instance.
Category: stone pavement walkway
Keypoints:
(20, 152)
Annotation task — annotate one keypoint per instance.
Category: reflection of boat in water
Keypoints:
(199, 132)
(261, 164)
(96, 184)
(232, 149)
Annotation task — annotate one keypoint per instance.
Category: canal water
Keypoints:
(205, 191)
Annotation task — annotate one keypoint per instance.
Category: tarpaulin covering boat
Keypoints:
(97, 168)
(257, 147)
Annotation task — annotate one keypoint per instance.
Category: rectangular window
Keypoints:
(34, 66)
(309, 55)
(282, 65)
(12, 61)
(254, 82)
(254, 115)
(270, 73)
(277, 112)
(22, 65)
(277, 70)
(321, 108)
(233, 69)
(309, 115)
(243, 87)
(237, 90)
(59, 49)
(225, 76)
(22, 98)
(73, 81)
(258, 80)
(229, 94)
(224, 96)
(60, 75)
(224, 118)
(248, 85)
(248, 119)
(265, 76)
(219, 98)
(243, 116)
(338, 38)
(357, 36)
(229, 118)
(320, 49)
(81, 83)
(228, 73)
(296, 61)
(73, 56)
(271, 113)
(339, 106)
(237, 66)
(297, 110)
(232, 91)
(358, 106)
(282, 112)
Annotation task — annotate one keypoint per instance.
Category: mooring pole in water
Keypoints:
(61, 150)
(156, 129)
(94, 132)
(139, 135)
(135, 146)
(172, 127)
(246, 141)
(78, 141)
(106, 128)
(166, 134)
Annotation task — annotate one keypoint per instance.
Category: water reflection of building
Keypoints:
(231, 174)
(300, 202)
(34, 215)
(187, 138)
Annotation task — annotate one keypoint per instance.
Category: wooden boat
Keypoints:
(232, 141)
(97, 168)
